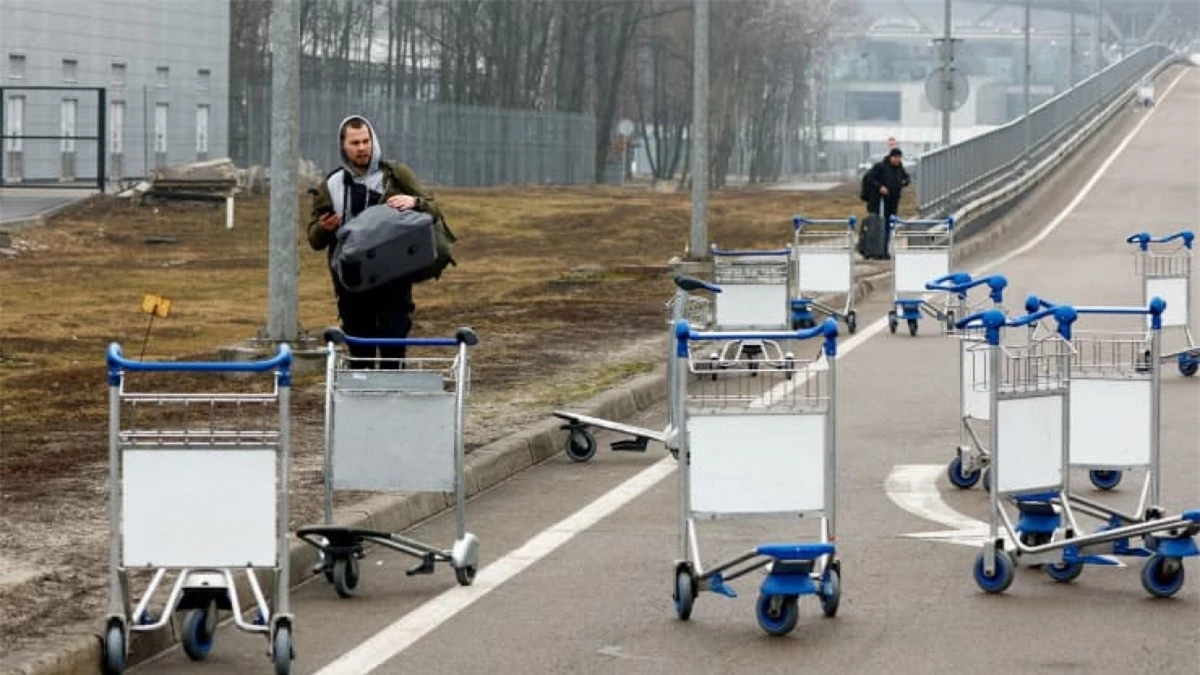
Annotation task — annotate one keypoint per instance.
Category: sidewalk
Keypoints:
(20, 207)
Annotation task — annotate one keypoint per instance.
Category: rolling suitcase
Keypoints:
(381, 245)
(872, 240)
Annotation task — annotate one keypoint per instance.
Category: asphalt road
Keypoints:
(588, 588)
(27, 202)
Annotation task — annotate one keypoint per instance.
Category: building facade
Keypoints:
(164, 68)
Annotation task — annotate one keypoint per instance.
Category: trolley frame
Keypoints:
(763, 273)
(150, 471)
(341, 547)
(792, 569)
(1035, 536)
(1168, 274)
(925, 254)
(581, 443)
(824, 264)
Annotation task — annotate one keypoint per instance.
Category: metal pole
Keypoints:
(1028, 78)
(282, 298)
(947, 80)
(1071, 71)
(102, 135)
(698, 245)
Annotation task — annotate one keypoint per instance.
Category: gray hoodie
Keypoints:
(373, 179)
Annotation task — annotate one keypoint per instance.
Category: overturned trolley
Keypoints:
(755, 297)
(198, 486)
(760, 447)
(398, 428)
(581, 444)
(1029, 387)
(824, 264)
(1166, 271)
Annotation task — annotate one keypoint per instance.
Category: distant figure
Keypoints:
(883, 185)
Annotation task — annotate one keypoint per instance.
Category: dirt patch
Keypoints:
(555, 282)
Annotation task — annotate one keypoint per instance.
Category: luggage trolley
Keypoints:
(198, 485)
(918, 255)
(581, 444)
(1029, 394)
(1167, 273)
(971, 455)
(760, 446)
(824, 264)
(755, 289)
(398, 428)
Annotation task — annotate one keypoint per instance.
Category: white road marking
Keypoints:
(401, 634)
(913, 487)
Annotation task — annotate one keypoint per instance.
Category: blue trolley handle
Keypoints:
(948, 221)
(798, 222)
(1154, 309)
(828, 330)
(992, 320)
(691, 284)
(960, 282)
(465, 336)
(1143, 239)
(117, 363)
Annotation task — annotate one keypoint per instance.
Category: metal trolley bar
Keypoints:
(1167, 273)
(412, 442)
(163, 517)
(922, 250)
(787, 426)
(824, 263)
(755, 296)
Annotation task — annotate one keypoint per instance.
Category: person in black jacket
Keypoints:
(885, 181)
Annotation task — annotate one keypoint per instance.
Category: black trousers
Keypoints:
(383, 312)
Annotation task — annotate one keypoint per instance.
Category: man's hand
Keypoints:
(330, 221)
(883, 190)
(401, 202)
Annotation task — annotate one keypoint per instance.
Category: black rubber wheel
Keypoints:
(581, 445)
(345, 576)
(113, 656)
(281, 648)
(196, 637)
(852, 322)
(465, 575)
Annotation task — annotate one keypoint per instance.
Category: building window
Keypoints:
(70, 109)
(14, 120)
(118, 74)
(202, 132)
(164, 76)
(116, 127)
(160, 135)
(16, 66)
(203, 79)
(70, 70)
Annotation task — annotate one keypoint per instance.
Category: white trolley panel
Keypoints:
(976, 402)
(1030, 443)
(394, 441)
(824, 270)
(1175, 291)
(199, 508)
(757, 464)
(1110, 422)
(914, 269)
(752, 306)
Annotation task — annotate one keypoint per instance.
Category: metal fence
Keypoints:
(445, 144)
(953, 175)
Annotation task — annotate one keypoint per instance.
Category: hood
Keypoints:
(376, 151)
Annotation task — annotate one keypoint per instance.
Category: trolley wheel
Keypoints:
(912, 327)
(281, 649)
(951, 319)
(1189, 364)
(963, 481)
(777, 614)
(113, 656)
(685, 593)
(581, 445)
(985, 477)
(345, 576)
(197, 639)
(789, 368)
(831, 592)
(1001, 578)
(1065, 572)
(1105, 479)
(1162, 576)
(465, 575)
(852, 321)
(892, 321)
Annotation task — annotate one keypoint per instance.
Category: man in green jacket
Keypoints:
(365, 180)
